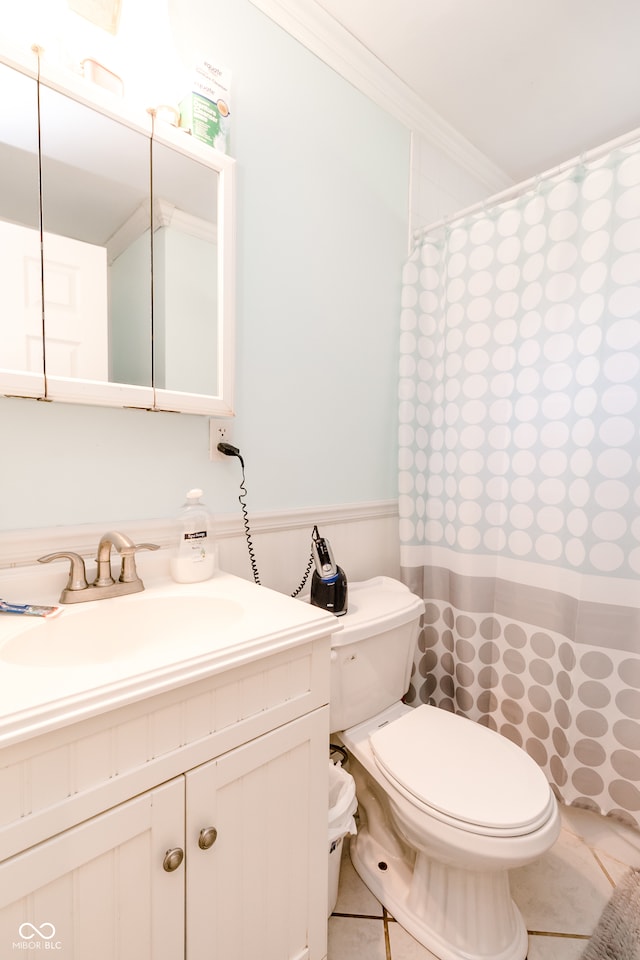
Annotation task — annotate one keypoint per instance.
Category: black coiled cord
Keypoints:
(245, 521)
(314, 536)
(305, 577)
(230, 451)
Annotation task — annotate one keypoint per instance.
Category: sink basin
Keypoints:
(123, 629)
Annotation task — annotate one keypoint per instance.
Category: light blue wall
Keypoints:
(322, 232)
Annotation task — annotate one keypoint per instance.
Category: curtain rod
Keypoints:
(518, 188)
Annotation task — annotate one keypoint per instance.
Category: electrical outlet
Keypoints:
(220, 431)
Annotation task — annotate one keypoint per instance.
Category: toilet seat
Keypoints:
(462, 773)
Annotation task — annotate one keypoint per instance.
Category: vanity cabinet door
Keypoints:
(259, 886)
(99, 890)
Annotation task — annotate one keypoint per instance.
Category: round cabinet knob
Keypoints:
(172, 859)
(207, 838)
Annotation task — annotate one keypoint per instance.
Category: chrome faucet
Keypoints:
(103, 586)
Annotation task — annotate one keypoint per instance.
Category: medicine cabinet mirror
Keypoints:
(129, 299)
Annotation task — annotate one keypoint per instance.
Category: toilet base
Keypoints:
(456, 914)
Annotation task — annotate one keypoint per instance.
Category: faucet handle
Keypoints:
(128, 573)
(77, 574)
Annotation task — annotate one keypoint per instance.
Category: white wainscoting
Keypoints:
(364, 538)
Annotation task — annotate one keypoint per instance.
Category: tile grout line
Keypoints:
(357, 916)
(602, 867)
(387, 940)
(566, 936)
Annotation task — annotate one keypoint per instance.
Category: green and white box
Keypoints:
(206, 110)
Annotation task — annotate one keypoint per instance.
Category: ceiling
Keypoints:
(530, 83)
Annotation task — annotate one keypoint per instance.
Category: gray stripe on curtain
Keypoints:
(597, 624)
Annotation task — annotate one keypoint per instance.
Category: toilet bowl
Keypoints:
(447, 806)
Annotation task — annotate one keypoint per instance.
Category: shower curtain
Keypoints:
(519, 461)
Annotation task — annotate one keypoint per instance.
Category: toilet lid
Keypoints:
(463, 771)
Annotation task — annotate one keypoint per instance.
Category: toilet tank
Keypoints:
(371, 656)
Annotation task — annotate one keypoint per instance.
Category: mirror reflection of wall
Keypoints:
(185, 275)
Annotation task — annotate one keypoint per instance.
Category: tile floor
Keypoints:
(560, 896)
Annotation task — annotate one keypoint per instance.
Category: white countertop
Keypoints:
(252, 621)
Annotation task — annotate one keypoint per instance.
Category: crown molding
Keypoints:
(166, 214)
(334, 45)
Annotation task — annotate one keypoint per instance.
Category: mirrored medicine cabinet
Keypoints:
(117, 250)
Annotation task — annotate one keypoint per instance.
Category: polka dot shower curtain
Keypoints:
(518, 472)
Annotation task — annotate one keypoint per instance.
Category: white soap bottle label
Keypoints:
(194, 557)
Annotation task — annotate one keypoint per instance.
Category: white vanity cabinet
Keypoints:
(192, 823)
(98, 890)
(254, 893)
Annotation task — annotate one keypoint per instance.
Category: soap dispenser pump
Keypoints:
(194, 555)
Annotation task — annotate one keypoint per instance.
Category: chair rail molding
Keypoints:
(23, 547)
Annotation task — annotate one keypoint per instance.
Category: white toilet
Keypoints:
(447, 806)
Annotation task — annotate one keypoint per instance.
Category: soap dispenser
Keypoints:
(194, 555)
